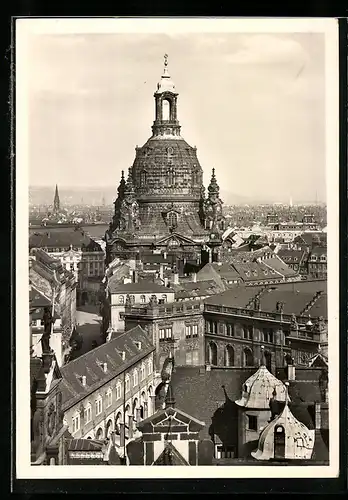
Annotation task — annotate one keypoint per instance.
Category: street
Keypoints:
(88, 326)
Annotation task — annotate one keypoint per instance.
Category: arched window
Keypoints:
(88, 413)
(170, 177)
(99, 434)
(142, 299)
(150, 367)
(109, 428)
(142, 372)
(135, 378)
(212, 353)
(229, 356)
(108, 397)
(172, 219)
(143, 405)
(135, 406)
(121, 299)
(127, 414)
(248, 358)
(98, 405)
(143, 178)
(118, 390)
(165, 109)
(118, 421)
(132, 299)
(164, 297)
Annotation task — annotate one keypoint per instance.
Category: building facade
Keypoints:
(161, 205)
(109, 387)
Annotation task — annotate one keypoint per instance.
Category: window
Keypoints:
(88, 413)
(127, 383)
(121, 299)
(225, 452)
(118, 390)
(143, 178)
(142, 372)
(230, 330)
(188, 331)
(221, 328)
(267, 335)
(75, 423)
(211, 326)
(229, 356)
(108, 398)
(194, 330)
(164, 297)
(165, 333)
(248, 358)
(150, 367)
(248, 332)
(142, 299)
(252, 422)
(170, 179)
(135, 378)
(192, 357)
(98, 406)
(172, 219)
(212, 353)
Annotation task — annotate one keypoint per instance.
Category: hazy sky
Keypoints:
(253, 105)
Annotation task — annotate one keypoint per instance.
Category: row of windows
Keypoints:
(191, 331)
(142, 298)
(87, 414)
(247, 331)
(165, 333)
(229, 356)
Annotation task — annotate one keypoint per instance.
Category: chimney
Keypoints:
(291, 372)
(176, 278)
(207, 368)
(84, 380)
(123, 356)
(105, 367)
(194, 277)
(165, 282)
(165, 255)
(161, 271)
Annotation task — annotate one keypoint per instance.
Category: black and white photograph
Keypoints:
(176, 248)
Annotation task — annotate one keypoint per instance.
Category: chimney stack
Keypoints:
(194, 277)
(105, 367)
(176, 278)
(165, 282)
(123, 356)
(161, 271)
(84, 380)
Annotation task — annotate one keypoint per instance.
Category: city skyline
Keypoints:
(96, 104)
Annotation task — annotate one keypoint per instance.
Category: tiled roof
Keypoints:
(200, 393)
(238, 296)
(291, 255)
(141, 286)
(52, 239)
(37, 299)
(319, 250)
(85, 445)
(90, 364)
(197, 289)
(294, 303)
(279, 266)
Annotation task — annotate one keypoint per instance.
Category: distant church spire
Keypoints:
(56, 203)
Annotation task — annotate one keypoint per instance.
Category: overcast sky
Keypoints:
(252, 104)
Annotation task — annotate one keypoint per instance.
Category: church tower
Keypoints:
(162, 205)
(56, 202)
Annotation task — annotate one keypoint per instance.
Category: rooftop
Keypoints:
(140, 287)
(63, 239)
(91, 364)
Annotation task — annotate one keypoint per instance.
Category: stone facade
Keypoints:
(162, 204)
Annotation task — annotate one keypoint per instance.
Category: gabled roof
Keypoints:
(37, 299)
(90, 364)
(85, 445)
(170, 456)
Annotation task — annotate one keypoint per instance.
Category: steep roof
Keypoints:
(37, 299)
(238, 296)
(90, 364)
(52, 239)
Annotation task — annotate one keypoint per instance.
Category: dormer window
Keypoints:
(170, 177)
(143, 178)
(172, 218)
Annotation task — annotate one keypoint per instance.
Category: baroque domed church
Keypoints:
(161, 204)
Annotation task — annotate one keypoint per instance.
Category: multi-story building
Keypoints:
(109, 387)
(162, 206)
(229, 329)
(76, 251)
(57, 288)
(317, 263)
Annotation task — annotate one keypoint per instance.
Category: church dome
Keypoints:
(295, 439)
(259, 389)
(166, 84)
